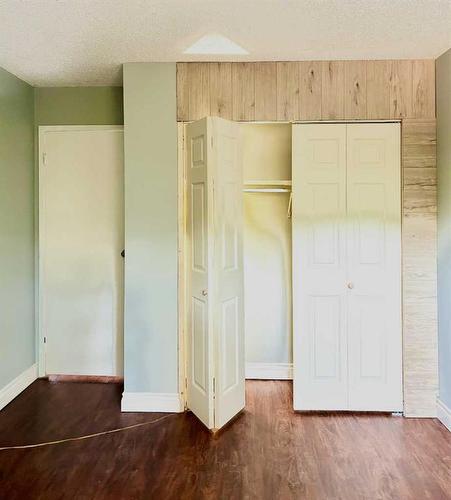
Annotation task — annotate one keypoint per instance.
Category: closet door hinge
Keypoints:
(214, 387)
(45, 340)
(290, 206)
(185, 394)
(44, 158)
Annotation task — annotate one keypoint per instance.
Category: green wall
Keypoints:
(22, 109)
(17, 329)
(443, 79)
(72, 106)
(150, 335)
(79, 106)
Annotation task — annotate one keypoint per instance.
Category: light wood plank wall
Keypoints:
(419, 243)
(351, 90)
(306, 90)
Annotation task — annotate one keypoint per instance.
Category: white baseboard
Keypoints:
(269, 371)
(16, 386)
(444, 414)
(152, 402)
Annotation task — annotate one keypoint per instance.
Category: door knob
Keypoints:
(350, 285)
(204, 293)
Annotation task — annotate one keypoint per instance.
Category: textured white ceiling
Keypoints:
(84, 42)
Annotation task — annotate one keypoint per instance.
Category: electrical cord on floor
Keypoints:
(87, 436)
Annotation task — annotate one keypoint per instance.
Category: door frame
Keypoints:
(40, 229)
(182, 251)
(182, 275)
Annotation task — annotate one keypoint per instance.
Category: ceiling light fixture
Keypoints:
(215, 44)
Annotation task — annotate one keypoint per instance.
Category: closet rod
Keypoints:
(267, 183)
(266, 190)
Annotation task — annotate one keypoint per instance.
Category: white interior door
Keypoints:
(215, 326)
(319, 267)
(374, 266)
(81, 238)
(347, 267)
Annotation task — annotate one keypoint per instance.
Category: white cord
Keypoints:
(88, 436)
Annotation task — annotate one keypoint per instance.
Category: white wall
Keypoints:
(267, 278)
(150, 135)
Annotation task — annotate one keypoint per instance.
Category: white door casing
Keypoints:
(346, 267)
(81, 236)
(215, 323)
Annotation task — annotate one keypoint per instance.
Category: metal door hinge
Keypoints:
(185, 395)
(290, 206)
(214, 387)
(45, 340)
(44, 158)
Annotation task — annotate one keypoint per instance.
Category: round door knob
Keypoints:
(350, 285)
(204, 293)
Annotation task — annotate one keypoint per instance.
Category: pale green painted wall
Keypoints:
(17, 330)
(150, 335)
(443, 79)
(73, 106)
(79, 106)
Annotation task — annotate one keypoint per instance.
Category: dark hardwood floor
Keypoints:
(268, 452)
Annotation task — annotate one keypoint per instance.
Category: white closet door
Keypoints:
(199, 256)
(228, 271)
(319, 267)
(374, 266)
(215, 343)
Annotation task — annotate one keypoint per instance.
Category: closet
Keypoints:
(267, 250)
(293, 264)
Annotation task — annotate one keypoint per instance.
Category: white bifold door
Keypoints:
(215, 318)
(347, 267)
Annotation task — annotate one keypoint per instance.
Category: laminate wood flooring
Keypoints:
(268, 452)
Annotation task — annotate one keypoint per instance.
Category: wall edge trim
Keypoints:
(444, 414)
(152, 402)
(269, 371)
(17, 385)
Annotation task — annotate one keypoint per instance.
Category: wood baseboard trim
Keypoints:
(16, 386)
(93, 379)
(269, 371)
(444, 414)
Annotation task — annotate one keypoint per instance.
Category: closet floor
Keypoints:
(268, 452)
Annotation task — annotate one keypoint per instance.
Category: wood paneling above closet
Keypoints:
(307, 90)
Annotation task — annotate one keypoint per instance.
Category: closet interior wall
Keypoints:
(352, 90)
(267, 250)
